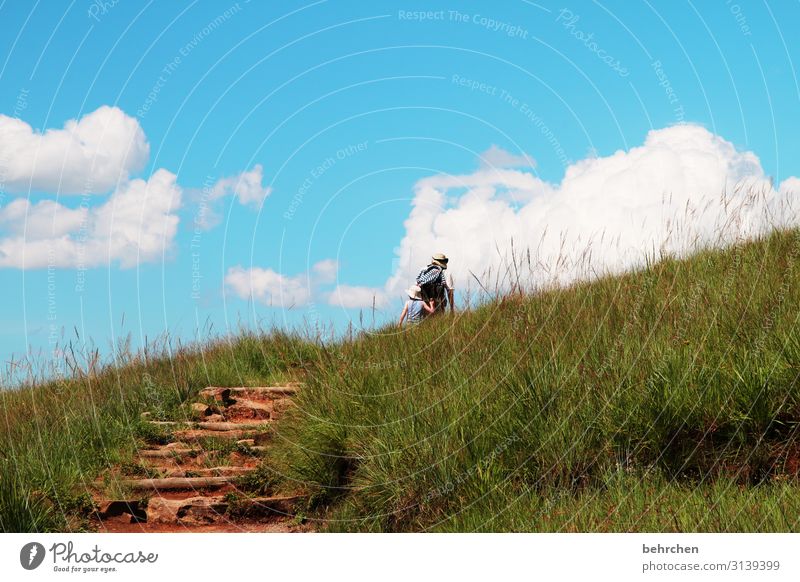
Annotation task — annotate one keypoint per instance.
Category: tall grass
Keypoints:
(679, 380)
(665, 398)
(57, 436)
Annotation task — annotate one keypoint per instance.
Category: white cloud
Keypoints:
(666, 194)
(42, 220)
(325, 271)
(268, 287)
(136, 224)
(353, 297)
(247, 187)
(138, 218)
(96, 154)
(90, 155)
(497, 157)
(277, 290)
(274, 289)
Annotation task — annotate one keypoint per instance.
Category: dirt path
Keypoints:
(189, 484)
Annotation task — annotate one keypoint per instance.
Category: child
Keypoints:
(415, 308)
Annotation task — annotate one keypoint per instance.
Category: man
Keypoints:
(436, 284)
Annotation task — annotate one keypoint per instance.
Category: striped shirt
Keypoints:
(441, 278)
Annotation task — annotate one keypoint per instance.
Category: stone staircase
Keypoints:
(190, 483)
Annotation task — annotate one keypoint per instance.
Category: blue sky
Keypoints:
(295, 140)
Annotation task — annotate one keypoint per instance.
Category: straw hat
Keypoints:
(440, 259)
(414, 292)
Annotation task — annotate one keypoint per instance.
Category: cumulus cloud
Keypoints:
(325, 271)
(42, 220)
(97, 154)
(682, 187)
(87, 156)
(275, 289)
(247, 188)
(354, 297)
(497, 157)
(136, 224)
(268, 287)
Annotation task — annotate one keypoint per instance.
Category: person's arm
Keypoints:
(429, 306)
(403, 315)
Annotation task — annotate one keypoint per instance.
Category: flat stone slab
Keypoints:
(115, 508)
(219, 425)
(193, 434)
(210, 472)
(193, 510)
(208, 509)
(223, 426)
(249, 410)
(222, 394)
(177, 483)
(173, 452)
(253, 404)
(267, 390)
(176, 445)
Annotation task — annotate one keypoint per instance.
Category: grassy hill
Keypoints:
(660, 400)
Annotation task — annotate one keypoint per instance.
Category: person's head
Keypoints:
(440, 260)
(414, 293)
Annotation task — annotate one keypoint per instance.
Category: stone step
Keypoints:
(198, 433)
(173, 483)
(249, 410)
(176, 445)
(239, 409)
(225, 471)
(219, 425)
(223, 394)
(204, 510)
(193, 510)
(168, 452)
(117, 507)
(224, 426)
(170, 458)
(251, 404)
(267, 390)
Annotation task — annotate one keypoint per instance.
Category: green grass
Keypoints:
(58, 436)
(664, 399)
(679, 380)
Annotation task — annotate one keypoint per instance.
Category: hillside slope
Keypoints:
(665, 399)
(58, 437)
(660, 400)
